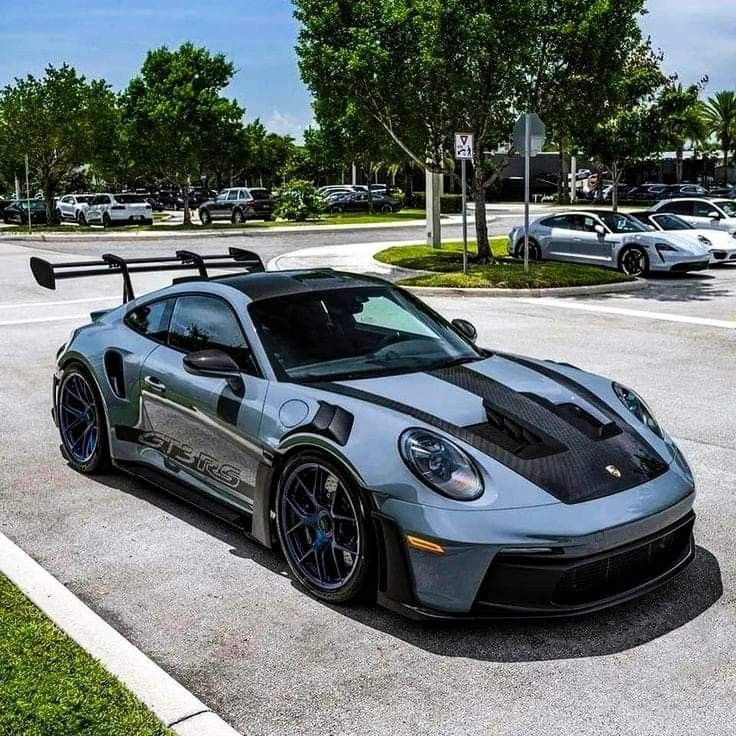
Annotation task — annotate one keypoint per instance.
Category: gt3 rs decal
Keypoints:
(184, 455)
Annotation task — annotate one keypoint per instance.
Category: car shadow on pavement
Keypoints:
(676, 287)
(602, 633)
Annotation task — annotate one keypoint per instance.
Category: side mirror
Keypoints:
(216, 364)
(600, 229)
(465, 328)
(714, 215)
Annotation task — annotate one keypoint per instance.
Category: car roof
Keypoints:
(268, 284)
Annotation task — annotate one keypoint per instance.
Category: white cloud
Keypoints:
(697, 39)
(287, 124)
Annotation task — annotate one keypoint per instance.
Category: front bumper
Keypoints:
(678, 263)
(545, 585)
(721, 255)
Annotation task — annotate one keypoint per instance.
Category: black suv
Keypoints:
(237, 205)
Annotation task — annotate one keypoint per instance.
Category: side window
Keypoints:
(232, 195)
(208, 323)
(588, 224)
(703, 209)
(679, 208)
(563, 222)
(151, 320)
(243, 194)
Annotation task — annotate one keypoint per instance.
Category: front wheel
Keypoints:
(535, 254)
(81, 420)
(634, 262)
(106, 221)
(205, 217)
(323, 529)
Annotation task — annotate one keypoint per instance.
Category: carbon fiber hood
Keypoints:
(549, 429)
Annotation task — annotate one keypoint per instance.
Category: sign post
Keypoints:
(28, 200)
(529, 134)
(464, 152)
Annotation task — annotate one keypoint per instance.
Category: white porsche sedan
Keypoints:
(722, 245)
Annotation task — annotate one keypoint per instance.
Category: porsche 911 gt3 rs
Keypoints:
(338, 417)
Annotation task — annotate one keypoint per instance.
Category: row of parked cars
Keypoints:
(675, 235)
(659, 192)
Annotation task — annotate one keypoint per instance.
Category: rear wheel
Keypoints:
(81, 419)
(335, 210)
(237, 217)
(386, 208)
(81, 219)
(633, 262)
(323, 529)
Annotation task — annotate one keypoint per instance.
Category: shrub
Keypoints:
(299, 200)
(450, 204)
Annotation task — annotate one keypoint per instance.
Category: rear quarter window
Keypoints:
(151, 320)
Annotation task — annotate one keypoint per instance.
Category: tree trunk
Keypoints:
(678, 166)
(47, 187)
(563, 185)
(485, 255)
(370, 191)
(187, 211)
(616, 174)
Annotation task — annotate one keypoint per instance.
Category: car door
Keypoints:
(588, 244)
(66, 207)
(559, 243)
(202, 429)
(702, 215)
(220, 208)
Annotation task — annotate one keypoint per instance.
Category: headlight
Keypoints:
(442, 465)
(636, 405)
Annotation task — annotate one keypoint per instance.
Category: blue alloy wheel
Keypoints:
(321, 531)
(79, 419)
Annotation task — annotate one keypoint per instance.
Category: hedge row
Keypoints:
(450, 204)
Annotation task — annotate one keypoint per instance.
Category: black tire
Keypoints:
(148, 223)
(268, 218)
(205, 217)
(106, 221)
(335, 210)
(351, 561)
(237, 217)
(75, 380)
(81, 219)
(387, 208)
(633, 261)
(58, 215)
(535, 253)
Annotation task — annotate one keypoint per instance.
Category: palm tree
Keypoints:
(684, 120)
(720, 116)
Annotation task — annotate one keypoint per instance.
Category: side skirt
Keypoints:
(188, 494)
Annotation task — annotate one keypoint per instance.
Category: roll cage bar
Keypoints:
(47, 274)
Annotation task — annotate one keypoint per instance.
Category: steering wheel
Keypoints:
(388, 340)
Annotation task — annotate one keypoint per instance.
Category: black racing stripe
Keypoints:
(573, 469)
(576, 473)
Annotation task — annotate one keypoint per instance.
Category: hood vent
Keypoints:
(515, 435)
(577, 417)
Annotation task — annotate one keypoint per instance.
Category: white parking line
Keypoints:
(33, 320)
(662, 316)
(21, 305)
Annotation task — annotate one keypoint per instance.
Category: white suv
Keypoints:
(73, 206)
(116, 209)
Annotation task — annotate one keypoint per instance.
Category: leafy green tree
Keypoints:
(60, 121)
(634, 125)
(720, 117)
(683, 119)
(174, 106)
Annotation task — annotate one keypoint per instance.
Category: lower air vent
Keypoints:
(114, 373)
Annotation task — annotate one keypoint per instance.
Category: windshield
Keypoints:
(728, 206)
(618, 223)
(672, 222)
(359, 332)
(84, 198)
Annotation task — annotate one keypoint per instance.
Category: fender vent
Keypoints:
(114, 372)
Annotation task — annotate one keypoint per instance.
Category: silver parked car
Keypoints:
(72, 207)
(715, 214)
(609, 239)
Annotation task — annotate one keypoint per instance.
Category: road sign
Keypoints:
(537, 134)
(463, 146)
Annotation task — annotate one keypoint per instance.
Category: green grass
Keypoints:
(342, 219)
(447, 265)
(49, 685)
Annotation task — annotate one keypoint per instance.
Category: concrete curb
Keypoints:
(560, 291)
(181, 711)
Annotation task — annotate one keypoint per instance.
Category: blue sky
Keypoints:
(110, 40)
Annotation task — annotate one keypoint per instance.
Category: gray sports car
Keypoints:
(340, 418)
(610, 239)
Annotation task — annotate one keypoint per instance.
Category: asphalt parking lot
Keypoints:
(221, 615)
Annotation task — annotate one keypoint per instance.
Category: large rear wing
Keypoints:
(47, 274)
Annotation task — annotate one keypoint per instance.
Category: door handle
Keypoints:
(154, 383)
